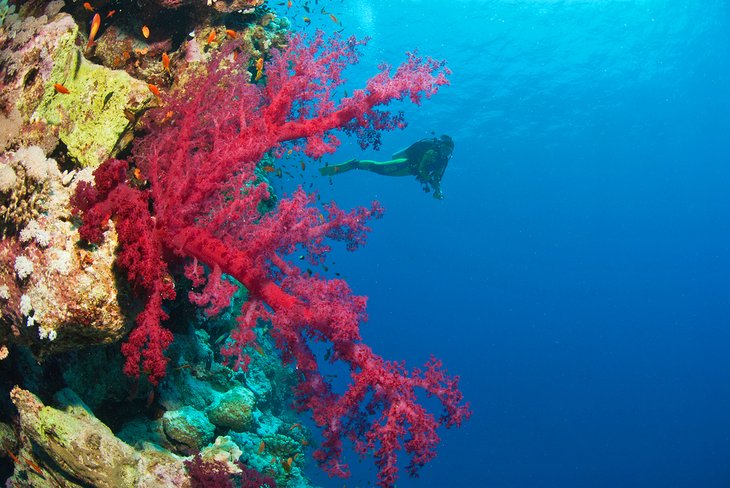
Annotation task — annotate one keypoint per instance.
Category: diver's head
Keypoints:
(447, 145)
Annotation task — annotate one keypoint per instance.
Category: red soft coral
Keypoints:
(203, 206)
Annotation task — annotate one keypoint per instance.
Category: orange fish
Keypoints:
(146, 32)
(88, 7)
(111, 12)
(262, 446)
(259, 69)
(61, 89)
(153, 88)
(269, 169)
(305, 442)
(166, 62)
(231, 33)
(287, 465)
(33, 466)
(95, 23)
(12, 456)
(307, 20)
(334, 19)
(295, 426)
(212, 36)
(259, 349)
(138, 176)
(288, 4)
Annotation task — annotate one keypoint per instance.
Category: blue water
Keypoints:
(576, 275)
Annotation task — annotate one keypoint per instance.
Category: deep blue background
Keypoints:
(576, 275)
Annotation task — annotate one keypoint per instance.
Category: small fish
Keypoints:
(12, 456)
(33, 466)
(138, 176)
(303, 165)
(88, 7)
(288, 4)
(334, 19)
(212, 36)
(288, 153)
(287, 465)
(259, 68)
(106, 99)
(61, 89)
(146, 32)
(166, 61)
(307, 20)
(109, 15)
(305, 442)
(295, 426)
(269, 169)
(153, 88)
(95, 23)
(279, 173)
(273, 460)
(231, 33)
(262, 446)
(259, 350)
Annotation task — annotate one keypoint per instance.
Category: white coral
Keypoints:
(25, 306)
(23, 267)
(33, 231)
(37, 166)
(8, 177)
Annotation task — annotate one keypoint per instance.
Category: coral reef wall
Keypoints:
(136, 146)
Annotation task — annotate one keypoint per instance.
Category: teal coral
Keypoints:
(188, 427)
(233, 409)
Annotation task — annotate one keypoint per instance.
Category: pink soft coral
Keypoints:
(203, 206)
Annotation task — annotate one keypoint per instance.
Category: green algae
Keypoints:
(93, 118)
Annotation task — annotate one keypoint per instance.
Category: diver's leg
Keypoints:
(394, 167)
(335, 169)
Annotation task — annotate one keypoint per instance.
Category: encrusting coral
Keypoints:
(56, 296)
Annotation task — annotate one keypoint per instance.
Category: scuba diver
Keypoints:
(425, 159)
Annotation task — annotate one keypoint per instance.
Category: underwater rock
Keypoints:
(227, 6)
(7, 437)
(85, 450)
(77, 442)
(233, 409)
(55, 296)
(49, 81)
(189, 427)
